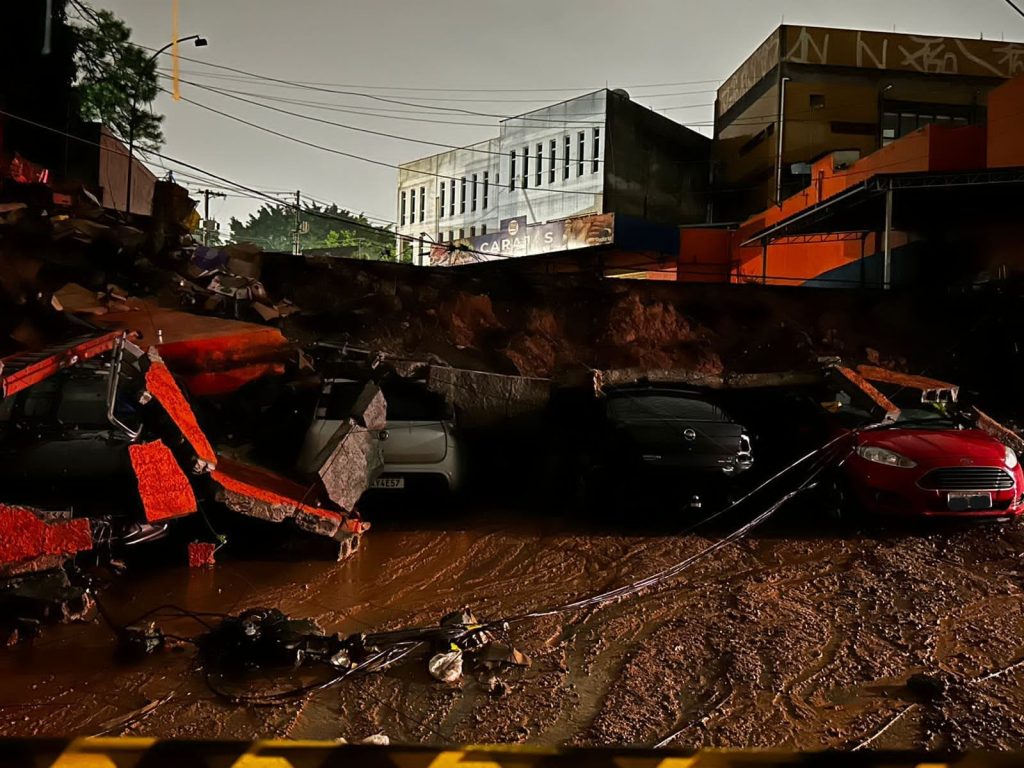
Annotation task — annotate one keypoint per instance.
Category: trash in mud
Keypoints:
(446, 666)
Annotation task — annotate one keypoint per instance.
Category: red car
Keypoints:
(929, 466)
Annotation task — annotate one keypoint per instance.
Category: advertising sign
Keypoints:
(517, 238)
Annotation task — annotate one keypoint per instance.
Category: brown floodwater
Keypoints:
(790, 638)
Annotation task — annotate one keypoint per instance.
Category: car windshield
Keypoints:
(659, 406)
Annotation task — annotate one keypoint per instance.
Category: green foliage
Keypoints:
(112, 72)
(271, 227)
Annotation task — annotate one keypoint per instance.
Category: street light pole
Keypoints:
(200, 42)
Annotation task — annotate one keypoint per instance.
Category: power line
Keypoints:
(1014, 6)
(352, 155)
(469, 148)
(363, 86)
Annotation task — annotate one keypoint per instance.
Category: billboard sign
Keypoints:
(517, 238)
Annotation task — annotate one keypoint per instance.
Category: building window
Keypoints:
(439, 238)
(540, 165)
(412, 206)
(472, 231)
(462, 192)
(483, 229)
(451, 236)
(440, 213)
(402, 218)
(566, 144)
(512, 169)
(597, 151)
(816, 101)
(462, 234)
(473, 204)
(423, 204)
(581, 146)
(551, 161)
(526, 167)
(486, 184)
(898, 124)
(451, 197)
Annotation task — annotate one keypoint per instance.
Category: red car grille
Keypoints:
(967, 479)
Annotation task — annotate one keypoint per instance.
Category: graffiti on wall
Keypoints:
(909, 53)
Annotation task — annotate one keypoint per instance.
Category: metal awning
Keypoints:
(924, 202)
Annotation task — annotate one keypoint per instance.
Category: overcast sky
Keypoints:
(669, 54)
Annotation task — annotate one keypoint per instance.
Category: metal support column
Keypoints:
(887, 241)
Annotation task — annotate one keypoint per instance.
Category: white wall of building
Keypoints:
(551, 190)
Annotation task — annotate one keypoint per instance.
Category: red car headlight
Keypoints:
(884, 456)
(1011, 457)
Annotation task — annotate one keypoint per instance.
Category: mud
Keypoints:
(791, 638)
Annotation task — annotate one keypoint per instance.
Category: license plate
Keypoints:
(389, 483)
(965, 501)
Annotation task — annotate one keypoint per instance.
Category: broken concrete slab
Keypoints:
(860, 390)
(265, 495)
(33, 540)
(1003, 434)
(162, 386)
(163, 487)
(932, 390)
(483, 399)
(352, 454)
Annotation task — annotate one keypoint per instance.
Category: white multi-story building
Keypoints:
(597, 153)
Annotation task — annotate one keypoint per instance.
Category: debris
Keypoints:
(201, 553)
(161, 384)
(123, 721)
(447, 666)
(497, 688)
(140, 640)
(376, 739)
(497, 654)
(483, 399)
(33, 540)
(163, 487)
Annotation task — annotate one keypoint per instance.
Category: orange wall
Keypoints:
(704, 255)
(1005, 121)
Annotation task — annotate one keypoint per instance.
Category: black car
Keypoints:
(660, 447)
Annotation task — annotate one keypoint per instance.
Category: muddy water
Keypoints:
(789, 638)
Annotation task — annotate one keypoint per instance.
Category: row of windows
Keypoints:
(474, 192)
(520, 161)
(897, 124)
(412, 205)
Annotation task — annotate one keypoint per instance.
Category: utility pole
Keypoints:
(297, 232)
(207, 194)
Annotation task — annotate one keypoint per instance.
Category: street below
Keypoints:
(798, 637)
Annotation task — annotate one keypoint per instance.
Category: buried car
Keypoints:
(928, 464)
(663, 445)
(419, 444)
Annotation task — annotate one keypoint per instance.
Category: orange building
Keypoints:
(940, 204)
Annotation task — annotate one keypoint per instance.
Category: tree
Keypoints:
(271, 227)
(116, 80)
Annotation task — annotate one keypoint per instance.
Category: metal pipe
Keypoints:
(887, 241)
(112, 380)
(782, 129)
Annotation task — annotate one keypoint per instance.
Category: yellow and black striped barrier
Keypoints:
(157, 753)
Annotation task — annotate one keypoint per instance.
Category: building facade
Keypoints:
(810, 91)
(596, 154)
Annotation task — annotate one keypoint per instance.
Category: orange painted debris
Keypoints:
(164, 388)
(163, 487)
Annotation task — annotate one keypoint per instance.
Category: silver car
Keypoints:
(419, 446)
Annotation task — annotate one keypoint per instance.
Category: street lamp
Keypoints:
(200, 42)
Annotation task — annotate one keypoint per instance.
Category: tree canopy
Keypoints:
(271, 227)
(113, 73)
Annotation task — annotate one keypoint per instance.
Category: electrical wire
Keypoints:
(1014, 6)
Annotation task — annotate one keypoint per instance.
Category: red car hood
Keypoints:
(939, 446)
